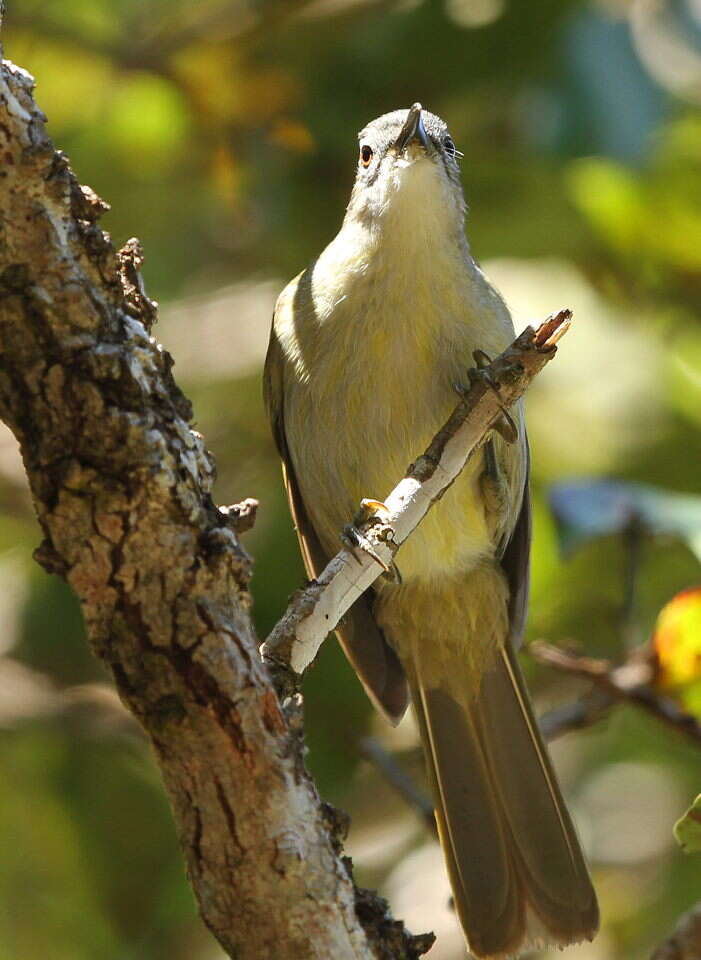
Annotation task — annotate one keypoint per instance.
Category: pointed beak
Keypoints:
(413, 131)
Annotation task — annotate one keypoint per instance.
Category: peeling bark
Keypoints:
(122, 489)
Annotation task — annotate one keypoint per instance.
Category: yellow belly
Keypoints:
(373, 352)
(358, 442)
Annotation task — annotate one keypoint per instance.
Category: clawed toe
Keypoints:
(504, 426)
(355, 540)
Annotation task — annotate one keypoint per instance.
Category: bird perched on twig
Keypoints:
(367, 347)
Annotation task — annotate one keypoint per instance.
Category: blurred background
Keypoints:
(223, 133)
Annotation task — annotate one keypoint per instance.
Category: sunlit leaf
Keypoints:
(226, 175)
(201, 69)
(654, 217)
(147, 122)
(684, 374)
(62, 91)
(687, 829)
(225, 89)
(586, 509)
(292, 136)
(610, 197)
(677, 641)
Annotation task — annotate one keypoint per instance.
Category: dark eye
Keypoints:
(449, 146)
(365, 155)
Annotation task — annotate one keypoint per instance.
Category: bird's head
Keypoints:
(408, 175)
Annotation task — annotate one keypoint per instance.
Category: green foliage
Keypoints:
(654, 219)
(687, 829)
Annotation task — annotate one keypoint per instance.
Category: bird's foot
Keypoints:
(355, 540)
(504, 426)
(368, 508)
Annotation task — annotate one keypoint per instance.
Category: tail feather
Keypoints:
(469, 823)
(516, 867)
(548, 844)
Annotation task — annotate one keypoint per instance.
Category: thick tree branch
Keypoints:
(121, 485)
(315, 611)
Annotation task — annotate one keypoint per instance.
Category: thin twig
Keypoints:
(576, 715)
(630, 682)
(399, 779)
(572, 716)
(633, 534)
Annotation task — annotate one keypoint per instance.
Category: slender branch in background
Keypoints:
(27, 694)
(633, 536)
(631, 682)
(315, 611)
(589, 709)
(685, 942)
(398, 778)
(557, 722)
(122, 487)
(575, 716)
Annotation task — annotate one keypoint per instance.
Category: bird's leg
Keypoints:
(504, 426)
(493, 482)
(355, 540)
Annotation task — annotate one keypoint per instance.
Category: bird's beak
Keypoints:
(413, 131)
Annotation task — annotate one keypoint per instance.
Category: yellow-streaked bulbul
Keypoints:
(367, 346)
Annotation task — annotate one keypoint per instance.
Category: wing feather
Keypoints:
(515, 560)
(375, 662)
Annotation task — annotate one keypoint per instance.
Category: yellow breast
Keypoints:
(374, 346)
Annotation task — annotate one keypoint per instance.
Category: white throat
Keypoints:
(401, 258)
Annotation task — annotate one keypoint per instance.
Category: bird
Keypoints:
(367, 348)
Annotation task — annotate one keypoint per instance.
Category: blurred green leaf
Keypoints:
(687, 829)
(611, 198)
(684, 374)
(653, 218)
(61, 90)
(147, 118)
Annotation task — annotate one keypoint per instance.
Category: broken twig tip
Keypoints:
(240, 516)
(554, 328)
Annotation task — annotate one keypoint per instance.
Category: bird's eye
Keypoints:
(449, 146)
(365, 155)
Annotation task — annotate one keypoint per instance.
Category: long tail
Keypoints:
(517, 871)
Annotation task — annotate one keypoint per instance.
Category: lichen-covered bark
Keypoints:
(121, 485)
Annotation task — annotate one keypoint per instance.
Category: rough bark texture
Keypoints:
(121, 485)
